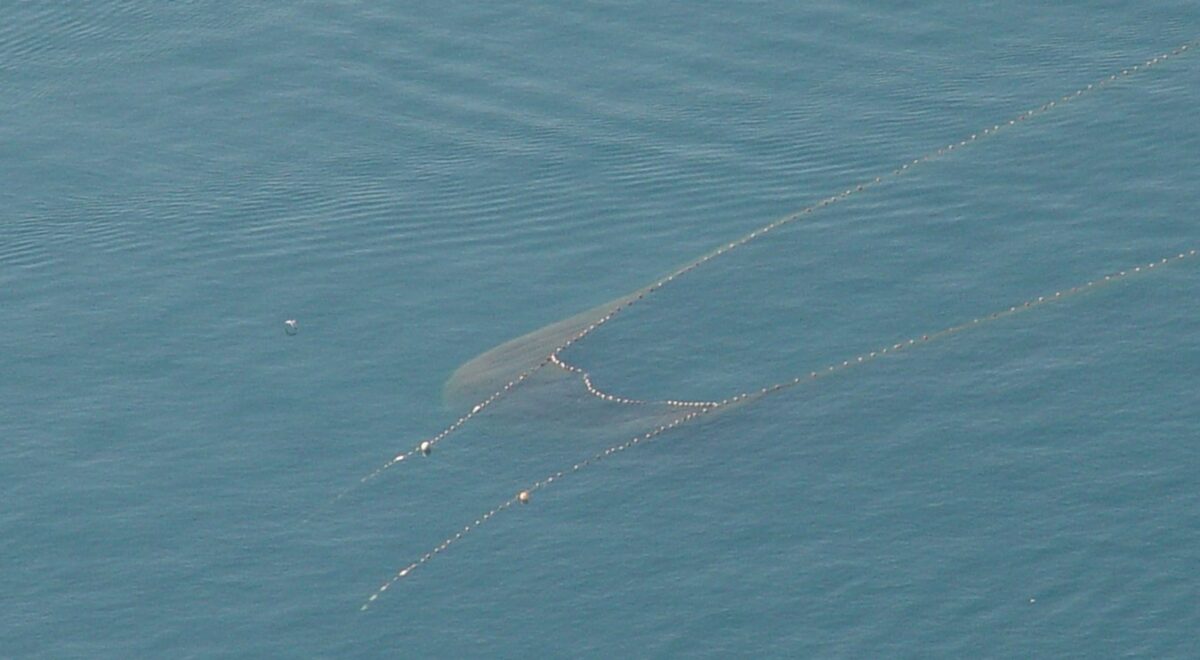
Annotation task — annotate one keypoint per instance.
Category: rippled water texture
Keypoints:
(420, 183)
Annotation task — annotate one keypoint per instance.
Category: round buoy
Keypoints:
(426, 447)
(291, 326)
(523, 497)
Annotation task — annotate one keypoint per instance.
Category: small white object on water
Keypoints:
(523, 497)
(426, 447)
(291, 326)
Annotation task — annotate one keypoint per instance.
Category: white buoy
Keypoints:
(426, 447)
(523, 497)
(291, 326)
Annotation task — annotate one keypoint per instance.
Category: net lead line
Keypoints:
(750, 396)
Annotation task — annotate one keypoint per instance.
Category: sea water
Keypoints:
(416, 183)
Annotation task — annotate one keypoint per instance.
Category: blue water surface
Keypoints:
(415, 183)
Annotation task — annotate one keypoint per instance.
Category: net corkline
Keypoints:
(691, 410)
